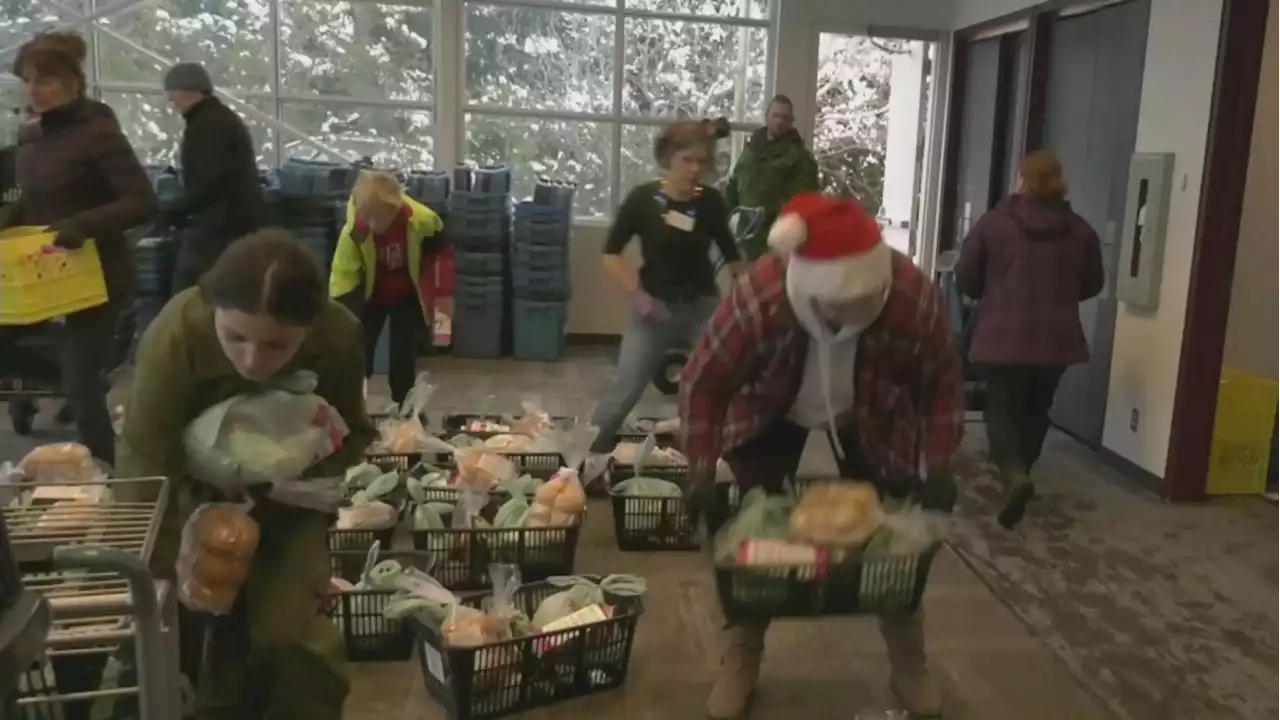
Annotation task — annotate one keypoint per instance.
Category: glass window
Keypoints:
(357, 49)
(639, 166)
(10, 112)
(228, 37)
(21, 19)
(755, 9)
(572, 151)
(155, 130)
(539, 59)
(694, 69)
(391, 138)
(852, 118)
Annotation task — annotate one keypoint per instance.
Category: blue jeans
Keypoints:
(645, 344)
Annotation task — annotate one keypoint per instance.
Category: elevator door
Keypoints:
(1095, 85)
(973, 162)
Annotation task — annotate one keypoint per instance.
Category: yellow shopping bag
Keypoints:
(39, 282)
(1242, 429)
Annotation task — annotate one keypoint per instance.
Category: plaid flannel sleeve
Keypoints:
(713, 373)
(944, 382)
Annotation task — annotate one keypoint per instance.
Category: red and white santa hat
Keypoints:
(837, 253)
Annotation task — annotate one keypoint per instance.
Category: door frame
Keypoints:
(928, 179)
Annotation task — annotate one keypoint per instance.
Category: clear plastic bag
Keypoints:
(535, 419)
(319, 494)
(907, 531)
(406, 433)
(580, 592)
(760, 517)
(263, 437)
(371, 515)
(482, 469)
(561, 501)
(219, 541)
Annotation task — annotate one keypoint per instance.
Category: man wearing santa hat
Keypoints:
(833, 331)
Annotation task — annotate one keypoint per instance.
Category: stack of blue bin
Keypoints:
(540, 273)
(479, 225)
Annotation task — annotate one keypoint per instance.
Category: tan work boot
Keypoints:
(739, 673)
(909, 676)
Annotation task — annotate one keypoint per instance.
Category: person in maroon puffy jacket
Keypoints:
(1031, 261)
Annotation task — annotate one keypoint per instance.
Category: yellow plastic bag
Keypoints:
(38, 283)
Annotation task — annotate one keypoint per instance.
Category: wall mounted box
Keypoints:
(1142, 232)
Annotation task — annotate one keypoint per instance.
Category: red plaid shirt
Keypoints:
(746, 371)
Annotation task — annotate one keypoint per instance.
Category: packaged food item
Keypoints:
(368, 515)
(561, 500)
(535, 420)
(509, 443)
(263, 437)
(483, 470)
(405, 433)
(59, 463)
(218, 545)
(837, 513)
(760, 517)
(582, 592)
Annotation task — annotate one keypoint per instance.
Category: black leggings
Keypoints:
(86, 345)
(406, 322)
(1017, 413)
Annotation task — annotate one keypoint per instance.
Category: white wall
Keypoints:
(1177, 89)
(1252, 323)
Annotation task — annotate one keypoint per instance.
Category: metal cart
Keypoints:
(89, 562)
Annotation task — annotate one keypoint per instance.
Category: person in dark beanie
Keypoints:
(222, 196)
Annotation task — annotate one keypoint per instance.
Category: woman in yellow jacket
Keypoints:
(384, 271)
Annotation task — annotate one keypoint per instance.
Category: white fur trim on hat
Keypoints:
(844, 279)
(787, 234)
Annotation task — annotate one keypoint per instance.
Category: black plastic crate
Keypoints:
(855, 586)
(462, 557)
(652, 523)
(367, 634)
(397, 461)
(357, 542)
(518, 675)
(540, 465)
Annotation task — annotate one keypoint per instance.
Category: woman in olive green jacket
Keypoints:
(261, 312)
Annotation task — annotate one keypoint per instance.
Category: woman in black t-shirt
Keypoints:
(674, 293)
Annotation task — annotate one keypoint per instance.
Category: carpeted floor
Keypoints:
(1165, 612)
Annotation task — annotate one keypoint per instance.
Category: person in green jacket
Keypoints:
(384, 271)
(774, 167)
(260, 313)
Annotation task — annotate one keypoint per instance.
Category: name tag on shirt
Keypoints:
(679, 221)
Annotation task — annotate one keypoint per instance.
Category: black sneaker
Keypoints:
(1015, 506)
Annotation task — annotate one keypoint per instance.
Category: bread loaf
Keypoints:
(59, 462)
(837, 514)
(218, 546)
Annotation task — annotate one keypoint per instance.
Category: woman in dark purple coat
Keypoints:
(1031, 261)
(78, 175)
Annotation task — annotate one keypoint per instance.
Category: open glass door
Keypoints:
(872, 125)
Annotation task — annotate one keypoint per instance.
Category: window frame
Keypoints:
(449, 59)
(616, 120)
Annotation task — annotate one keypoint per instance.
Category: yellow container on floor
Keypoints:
(1242, 428)
(38, 282)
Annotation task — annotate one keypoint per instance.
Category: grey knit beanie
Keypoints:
(188, 76)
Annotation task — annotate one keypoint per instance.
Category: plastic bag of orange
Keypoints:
(40, 282)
